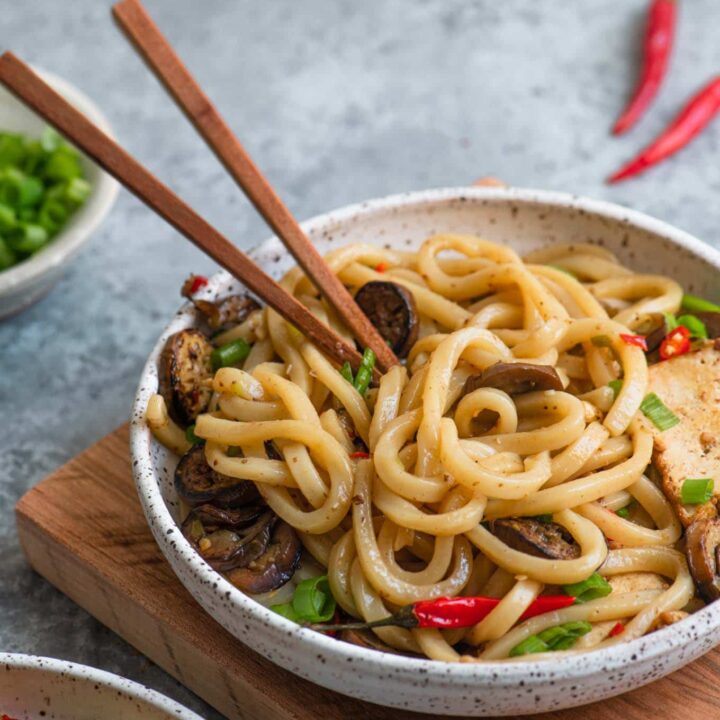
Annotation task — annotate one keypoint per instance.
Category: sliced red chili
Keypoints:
(359, 455)
(676, 342)
(637, 340)
(656, 53)
(198, 282)
(617, 629)
(381, 267)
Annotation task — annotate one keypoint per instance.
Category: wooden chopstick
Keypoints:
(170, 70)
(34, 92)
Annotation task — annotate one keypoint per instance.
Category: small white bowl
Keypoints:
(28, 281)
(32, 688)
(526, 220)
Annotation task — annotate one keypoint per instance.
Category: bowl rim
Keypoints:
(77, 671)
(506, 672)
(73, 236)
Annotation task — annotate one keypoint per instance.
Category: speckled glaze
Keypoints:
(29, 281)
(524, 219)
(33, 687)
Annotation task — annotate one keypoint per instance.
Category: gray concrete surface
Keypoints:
(338, 100)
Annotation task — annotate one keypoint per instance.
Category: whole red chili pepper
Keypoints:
(452, 612)
(656, 53)
(637, 340)
(676, 342)
(688, 124)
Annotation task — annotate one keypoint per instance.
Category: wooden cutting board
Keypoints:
(84, 531)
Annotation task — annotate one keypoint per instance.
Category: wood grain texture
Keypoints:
(202, 113)
(84, 531)
(34, 92)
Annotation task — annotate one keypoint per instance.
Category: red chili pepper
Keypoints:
(688, 124)
(381, 267)
(656, 53)
(198, 281)
(676, 342)
(359, 455)
(617, 629)
(453, 612)
(637, 340)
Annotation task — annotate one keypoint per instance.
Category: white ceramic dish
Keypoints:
(524, 219)
(27, 282)
(32, 688)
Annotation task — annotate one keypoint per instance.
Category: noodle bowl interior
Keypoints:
(520, 453)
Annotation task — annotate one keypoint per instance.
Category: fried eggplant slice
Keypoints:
(184, 375)
(535, 537)
(515, 378)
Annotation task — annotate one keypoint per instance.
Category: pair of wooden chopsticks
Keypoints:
(146, 36)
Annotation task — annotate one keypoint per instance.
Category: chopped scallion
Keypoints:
(312, 602)
(191, 437)
(696, 491)
(528, 646)
(615, 386)
(695, 325)
(363, 376)
(231, 354)
(658, 413)
(559, 637)
(698, 304)
(346, 372)
(594, 587)
(623, 512)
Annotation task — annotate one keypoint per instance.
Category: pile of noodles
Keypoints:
(407, 524)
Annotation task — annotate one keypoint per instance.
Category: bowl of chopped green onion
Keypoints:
(52, 198)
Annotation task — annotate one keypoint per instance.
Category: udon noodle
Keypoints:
(413, 521)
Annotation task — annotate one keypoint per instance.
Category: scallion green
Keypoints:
(528, 646)
(596, 586)
(693, 303)
(559, 637)
(615, 386)
(312, 602)
(363, 377)
(231, 354)
(623, 512)
(658, 413)
(695, 325)
(191, 437)
(696, 491)
(346, 372)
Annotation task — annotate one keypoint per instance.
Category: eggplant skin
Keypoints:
(198, 484)
(184, 369)
(274, 567)
(226, 313)
(515, 378)
(535, 537)
(392, 310)
(702, 549)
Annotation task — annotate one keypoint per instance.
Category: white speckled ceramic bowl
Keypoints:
(32, 688)
(29, 281)
(525, 220)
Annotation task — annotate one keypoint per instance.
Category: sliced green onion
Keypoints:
(19, 190)
(564, 636)
(544, 518)
(313, 601)
(695, 325)
(363, 377)
(77, 192)
(191, 437)
(529, 645)
(52, 215)
(601, 341)
(658, 413)
(286, 610)
(12, 149)
(615, 386)
(63, 164)
(50, 139)
(27, 237)
(697, 304)
(346, 372)
(696, 491)
(623, 512)
(670, 322)
(594, 587)
(230, 354)
(7, 255)
(8, 218)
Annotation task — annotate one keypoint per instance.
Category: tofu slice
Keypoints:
(690, 386)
